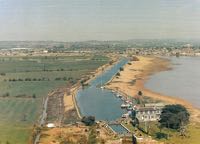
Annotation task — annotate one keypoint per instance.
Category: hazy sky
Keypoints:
(74, 20)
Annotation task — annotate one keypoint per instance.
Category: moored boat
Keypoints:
(125, 105)
(125, 115)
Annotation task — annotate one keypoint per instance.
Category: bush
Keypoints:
(2, 74)
(34, 79)
(6, 94)
(111, 62)
(57, 78)
(118, 74)
(160, 135)
(134, 58)
(27, 79)
(121, 68)
(20, 79)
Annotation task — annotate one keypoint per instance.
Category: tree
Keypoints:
(140, 93)
(138, 97)
(7, 94)
(135, 121)
(34, 96)
(134, 140)
(133, 114)
(177, 54)
(24, 118)
(88, 120)
(174, 116)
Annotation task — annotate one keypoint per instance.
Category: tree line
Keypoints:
(38, 79)
(7, 94)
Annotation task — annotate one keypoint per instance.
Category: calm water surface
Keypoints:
(102, 104)
(118, 128)
(182, 82)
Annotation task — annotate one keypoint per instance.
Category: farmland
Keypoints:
(26, 81)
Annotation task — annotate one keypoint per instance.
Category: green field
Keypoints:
(25, 81)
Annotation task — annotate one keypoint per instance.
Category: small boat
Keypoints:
(129, 108)
(119, 96)
(125, 115)
(128, 105)
(125, 105)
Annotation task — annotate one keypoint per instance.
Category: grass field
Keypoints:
(192, 133)
(25, 81)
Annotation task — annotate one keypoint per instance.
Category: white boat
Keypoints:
(125, 105)
(119, 96)
(125, 115)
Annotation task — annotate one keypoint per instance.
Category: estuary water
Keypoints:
(183, 81)
(101, 103)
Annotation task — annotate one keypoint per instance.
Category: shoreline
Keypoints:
(140, 72)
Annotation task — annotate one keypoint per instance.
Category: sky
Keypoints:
(79, 20)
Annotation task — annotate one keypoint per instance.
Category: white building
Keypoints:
(148, 114)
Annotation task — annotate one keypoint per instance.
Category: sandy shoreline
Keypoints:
(138, 72)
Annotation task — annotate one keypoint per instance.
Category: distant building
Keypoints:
(45, 51)
(157, 105)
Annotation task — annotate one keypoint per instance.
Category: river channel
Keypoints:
(98, 102)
